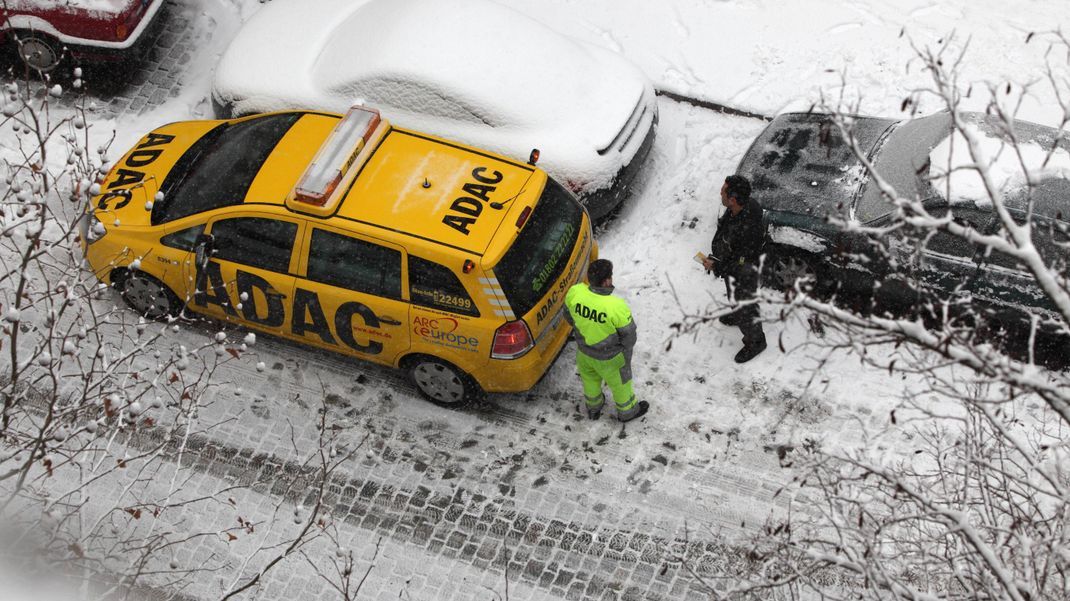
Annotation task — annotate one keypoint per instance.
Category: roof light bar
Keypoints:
(336, 156)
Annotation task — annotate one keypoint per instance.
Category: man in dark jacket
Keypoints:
(734, 256)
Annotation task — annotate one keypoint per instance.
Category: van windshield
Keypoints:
(541, 251)
(218, 169)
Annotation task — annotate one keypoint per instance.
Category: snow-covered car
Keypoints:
(802, 173)
(469, 70)
(42, 33)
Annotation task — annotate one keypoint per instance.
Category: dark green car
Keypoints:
(802, 173)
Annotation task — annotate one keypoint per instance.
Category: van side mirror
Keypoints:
(203, 248)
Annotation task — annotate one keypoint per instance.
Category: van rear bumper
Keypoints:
(519, 375)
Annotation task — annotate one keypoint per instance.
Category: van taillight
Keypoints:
(511, 341)
(520, 221)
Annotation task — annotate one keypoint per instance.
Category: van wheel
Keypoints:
(37, 51)
(147, 295)
(442, 383)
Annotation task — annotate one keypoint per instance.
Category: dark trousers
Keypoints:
(742, 285)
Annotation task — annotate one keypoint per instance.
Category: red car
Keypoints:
(43, 33)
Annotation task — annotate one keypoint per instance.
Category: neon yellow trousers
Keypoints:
(616, 372)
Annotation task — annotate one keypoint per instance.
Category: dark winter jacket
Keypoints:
(739, 239)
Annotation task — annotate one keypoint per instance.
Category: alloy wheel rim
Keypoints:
(439, 382)
(791, 269)
(147, 297)
(38, 54)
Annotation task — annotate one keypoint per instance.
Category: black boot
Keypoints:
(643, 408)
(750, 351)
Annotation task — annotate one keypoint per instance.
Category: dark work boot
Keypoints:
(750, 351)
(594, 414)
(640, 412)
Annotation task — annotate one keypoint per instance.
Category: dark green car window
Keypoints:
(354, 264)
(434, 285)
(255, 241)
(183, 239)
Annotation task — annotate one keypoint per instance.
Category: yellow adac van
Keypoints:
(348, 234)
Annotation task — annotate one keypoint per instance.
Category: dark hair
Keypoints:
(599, 271)
(738, 188)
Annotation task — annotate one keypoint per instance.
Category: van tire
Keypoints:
(441, 382)
(147, 295)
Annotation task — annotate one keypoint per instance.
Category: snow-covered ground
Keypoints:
(759, 56)
(722, 422)
(767, 55)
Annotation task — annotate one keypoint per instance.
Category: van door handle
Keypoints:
(390, 321)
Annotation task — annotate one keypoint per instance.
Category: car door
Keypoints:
(350, 297)
(951, 266)
(1008, 285)
(248, 278)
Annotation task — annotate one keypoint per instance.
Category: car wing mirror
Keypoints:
(203, 249)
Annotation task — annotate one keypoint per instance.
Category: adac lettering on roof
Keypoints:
(466, 209)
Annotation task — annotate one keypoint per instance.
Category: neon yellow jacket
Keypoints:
(603, 322)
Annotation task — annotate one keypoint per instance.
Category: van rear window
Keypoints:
(541, 251)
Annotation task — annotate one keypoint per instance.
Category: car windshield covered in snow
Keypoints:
(217, 171)
(801, 164)
(542, 249)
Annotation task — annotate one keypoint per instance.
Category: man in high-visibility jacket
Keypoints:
(605, 334)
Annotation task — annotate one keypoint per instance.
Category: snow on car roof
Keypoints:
(950, 163)
(471, 61)
(410, 41)
(105, 6)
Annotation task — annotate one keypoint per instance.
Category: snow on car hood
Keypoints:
(490, 76)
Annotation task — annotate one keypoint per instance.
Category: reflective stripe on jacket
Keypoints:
(603, 322)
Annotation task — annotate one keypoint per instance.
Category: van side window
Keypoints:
(183, 239)
(355, 264)
(255, 241)
(433, 285)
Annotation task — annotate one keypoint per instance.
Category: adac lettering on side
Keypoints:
(306, 309)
